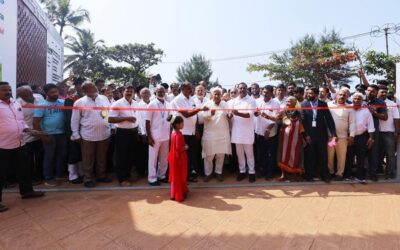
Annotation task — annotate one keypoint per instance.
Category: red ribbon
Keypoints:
(185, 110)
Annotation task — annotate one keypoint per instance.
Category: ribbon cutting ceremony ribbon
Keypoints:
(184, 110)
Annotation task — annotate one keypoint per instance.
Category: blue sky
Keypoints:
(220, 29)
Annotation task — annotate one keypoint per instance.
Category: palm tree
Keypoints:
(60, 12)
(87, 56)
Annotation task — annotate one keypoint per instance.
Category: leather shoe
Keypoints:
(33, 194)
(241, 177)
(165, 180)
(89, 184)
(104, 180)
(76, 181)
(252, 178)
(3, 208)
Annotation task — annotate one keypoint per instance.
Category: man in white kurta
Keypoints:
(216, 141)
(158, 131)
(243, 132)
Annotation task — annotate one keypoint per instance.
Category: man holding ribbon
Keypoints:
(126, 136)
(90, 127)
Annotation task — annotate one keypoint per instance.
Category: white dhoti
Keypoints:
(216, 140)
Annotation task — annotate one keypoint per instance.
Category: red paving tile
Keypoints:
(337, 216)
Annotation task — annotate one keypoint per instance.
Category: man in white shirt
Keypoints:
(280, 96)
(364, 135)
(266, 131)
(233, 161)
(33, 144)
(174, 91)
(158, 133)
(126, 135)
(143, 145)
(255, 94)
(388, 131)
(345, 130)
(243, 132)
(216, 138)
(255, 91)
(199, 99)
(185, 102)
(92, 130)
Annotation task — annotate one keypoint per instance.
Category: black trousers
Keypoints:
(190, 141)
(74, 152)
(348, 170)
(142, 155)
(266, 153)
(359, 149)
(256, 150)
(126, 141)
(373, 155)
(233, 160)
(316, 163)
(18, 159)
(35, 151)
(111, 155)
(199, 148)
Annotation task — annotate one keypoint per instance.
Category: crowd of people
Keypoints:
(285, 132)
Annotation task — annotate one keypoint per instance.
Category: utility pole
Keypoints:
(386, 29)
(387, 42)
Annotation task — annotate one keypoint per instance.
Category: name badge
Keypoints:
(314, 124)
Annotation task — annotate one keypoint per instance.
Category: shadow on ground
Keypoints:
(299, 217)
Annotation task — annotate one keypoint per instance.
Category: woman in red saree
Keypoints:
(177, 159)
(291, 136)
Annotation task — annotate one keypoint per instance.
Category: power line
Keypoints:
(357, 36)
(235, 57)
(395, 41)
(270, 52)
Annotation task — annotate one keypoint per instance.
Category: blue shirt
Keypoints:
(53, 120)
(314, 104)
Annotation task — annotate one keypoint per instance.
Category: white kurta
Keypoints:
(216, 137)
(243, 128)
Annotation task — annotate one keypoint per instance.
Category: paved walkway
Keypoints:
(336, 216)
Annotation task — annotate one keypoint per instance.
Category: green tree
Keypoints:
(308, 60)
(378, 63)
(197, 69)
(88, 55)
(139, 57)
(62, 15)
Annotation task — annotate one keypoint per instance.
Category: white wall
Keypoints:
(8, 42)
